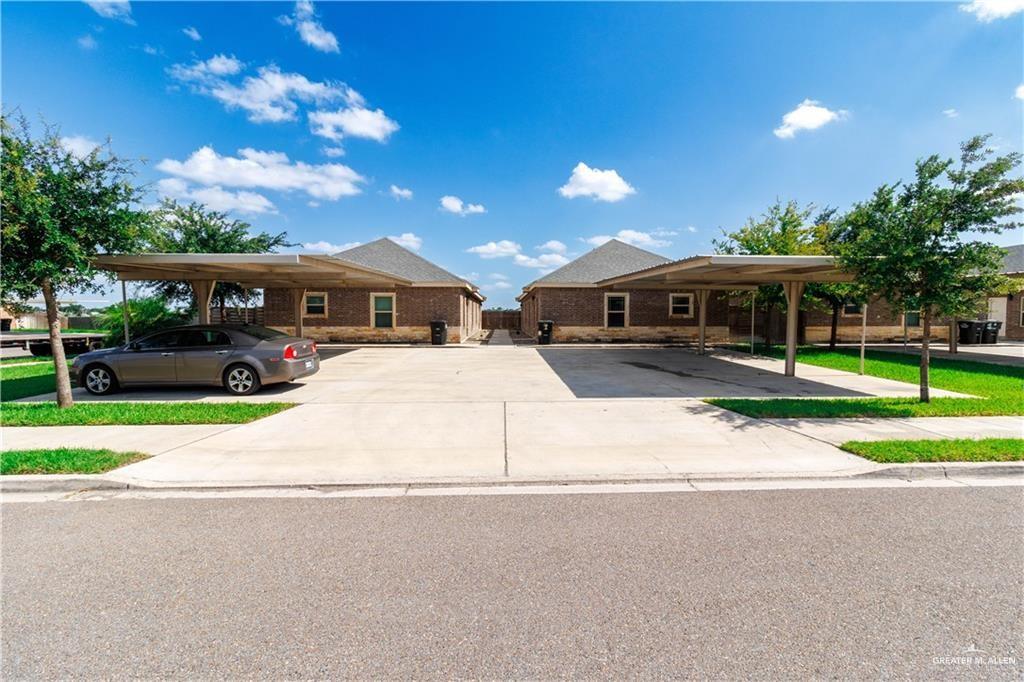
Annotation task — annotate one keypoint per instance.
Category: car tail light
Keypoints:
(289, 352)
(313, 346)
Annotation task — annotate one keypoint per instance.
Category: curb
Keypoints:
(906, 472)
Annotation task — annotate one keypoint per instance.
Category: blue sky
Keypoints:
(502, 139)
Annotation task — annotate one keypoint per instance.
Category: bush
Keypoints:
(145, 316)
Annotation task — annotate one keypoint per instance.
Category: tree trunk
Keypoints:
(221, 300)
(926, 332)
(60, 363)
(833, 335)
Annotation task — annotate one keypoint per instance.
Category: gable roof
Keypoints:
(1013, 261)
(611, 259)
(387, 256)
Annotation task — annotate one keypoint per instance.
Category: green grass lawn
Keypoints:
(64, 461)
(1000, 388)
(107, 413)
(18, 380)
(28, 358)
(953, 450)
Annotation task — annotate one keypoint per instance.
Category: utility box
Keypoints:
(438, 332)
(970, 331)
(545, 330)
(990, 334)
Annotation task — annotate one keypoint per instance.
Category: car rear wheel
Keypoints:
(99, 380)
(241, 380)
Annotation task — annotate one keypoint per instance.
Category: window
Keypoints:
(912, 319)
(262, 333)
(158, 341)
(851, 308)
(316, 304)
(198, 338)
(383, 310)
(616, 310)
(680, 305)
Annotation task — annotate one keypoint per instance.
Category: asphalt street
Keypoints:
(856, 583)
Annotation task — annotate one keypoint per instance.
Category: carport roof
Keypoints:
(249, 270)
(724, 271)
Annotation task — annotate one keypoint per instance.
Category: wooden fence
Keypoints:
(502, 319)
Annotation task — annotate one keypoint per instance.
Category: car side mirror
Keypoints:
(134, 345)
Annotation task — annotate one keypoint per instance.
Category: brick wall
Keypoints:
(349, 318)
(578, 314)
(1014, 330)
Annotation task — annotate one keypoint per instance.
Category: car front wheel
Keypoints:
(99, 380)
(241, 380)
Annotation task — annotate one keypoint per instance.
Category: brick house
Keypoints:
(1009, 309)
(389, 312)
(583, 310)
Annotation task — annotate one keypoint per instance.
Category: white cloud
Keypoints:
(808, 115)
(327, 247)
(408, 240)
(266, 170)
(113, 9)
(506, 248)
(691, 229)
(1019, 92)
(354, 121)
(950, 113)
(498, 276)
(150, 50)
(79, 146)
(216, 198)
(634, 237)
(399, 193)
(455, 205)
(470, 276)
(665, 232)
(552, 246)
(499, 249)
(269, 96)
(87, 42)
(333, 152)
(312, 32)
(990, 10)
(499, 284)
(192, 33)
(601, 185)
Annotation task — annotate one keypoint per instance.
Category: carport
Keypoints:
(730, 272)
(297, 272)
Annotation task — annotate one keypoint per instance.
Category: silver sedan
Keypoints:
(241, 358)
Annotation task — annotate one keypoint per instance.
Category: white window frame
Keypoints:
(625, 317)
(374, 311)
(305, 304)
(843, 313)
(689, 305)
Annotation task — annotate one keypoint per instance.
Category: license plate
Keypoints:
(309, 364)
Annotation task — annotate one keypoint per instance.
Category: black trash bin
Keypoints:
(545, 329)
(991, 332)
(438, 332)
(970, 331)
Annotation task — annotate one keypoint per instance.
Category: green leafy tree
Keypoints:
(59, 211)
(833, 295)
(913, 242)
(783, 230)
(193, 228)
(145, 316)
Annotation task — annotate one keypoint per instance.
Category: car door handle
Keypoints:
(167, 355)
(221, 352)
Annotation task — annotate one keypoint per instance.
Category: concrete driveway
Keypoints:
(386, 414)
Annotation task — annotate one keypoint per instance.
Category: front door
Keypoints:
(997, 312)
(202, 356)
(151, 360)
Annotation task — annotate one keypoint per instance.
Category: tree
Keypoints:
(193, 228)
(146, 315)
(781, 231)
(833, 294)
(912, 242)
(59, 211)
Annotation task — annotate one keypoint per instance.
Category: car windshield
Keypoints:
(262, 333)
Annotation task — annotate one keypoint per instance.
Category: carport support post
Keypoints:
(299, 299)
(124, 311)
(702, 318)
(753, 313)
(863, 333)
(794, 292)
(203, 291)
